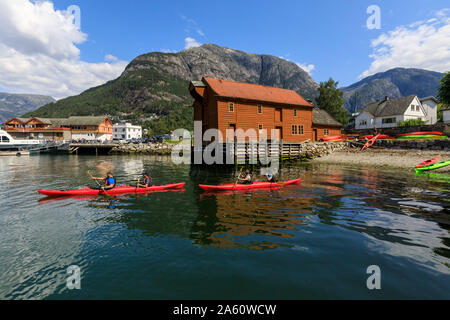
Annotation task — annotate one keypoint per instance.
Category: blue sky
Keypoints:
(331, 37)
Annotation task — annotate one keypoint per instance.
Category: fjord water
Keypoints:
(310, 241)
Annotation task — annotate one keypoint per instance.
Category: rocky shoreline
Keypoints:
(147, 148)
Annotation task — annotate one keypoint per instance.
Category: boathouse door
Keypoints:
(278, 115)
(315, 135)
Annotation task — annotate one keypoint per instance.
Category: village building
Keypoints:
(37, 129)
(224, 105)
(389, 112)
(446, 114)
(324, 125)
(126, 131)
(55, 129)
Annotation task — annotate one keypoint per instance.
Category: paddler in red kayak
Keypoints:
(110, 182)
(147, 181)
(247, 179)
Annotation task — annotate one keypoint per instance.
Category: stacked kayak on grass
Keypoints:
(115, 191)
(256, 185)
(422, 135)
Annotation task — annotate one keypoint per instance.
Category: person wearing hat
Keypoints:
(147, 181)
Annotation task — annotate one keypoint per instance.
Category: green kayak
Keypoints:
(422, 137)
(434, 166)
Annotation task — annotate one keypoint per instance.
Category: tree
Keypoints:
(411, 123)
(444, 89)
(440, 113)
(331, 99)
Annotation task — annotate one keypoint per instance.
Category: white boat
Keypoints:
(8, 143)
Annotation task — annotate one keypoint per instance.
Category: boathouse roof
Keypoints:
(321, 117)
(253, 92)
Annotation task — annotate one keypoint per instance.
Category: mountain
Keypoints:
(157, 84)
(14, 105)
(395, 83)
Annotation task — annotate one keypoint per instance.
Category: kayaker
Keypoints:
(247, 179)
(271, 178)
(110, 182)
(147, 181)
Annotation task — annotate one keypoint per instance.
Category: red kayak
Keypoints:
(428, 162)
(434, 133)
(331, 138)
(370, 142)
(117, 190)
(256, 185)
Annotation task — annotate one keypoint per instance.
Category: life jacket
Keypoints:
(114, 184)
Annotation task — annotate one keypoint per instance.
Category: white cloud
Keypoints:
(168, 51)
(38, 52)
(191, 43)
(110, 57)
(422, 44)
(309, 68)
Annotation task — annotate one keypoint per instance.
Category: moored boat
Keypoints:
(256, 185)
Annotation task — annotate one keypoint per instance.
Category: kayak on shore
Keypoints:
(370, 142)
(433, 133)
(256, 185)
(434, 166)
(418, 137)
(115, 191)
(428, 162)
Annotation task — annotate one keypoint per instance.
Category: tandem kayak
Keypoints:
(434, 166)
(428, 162)
(117, 190)
(256, 185)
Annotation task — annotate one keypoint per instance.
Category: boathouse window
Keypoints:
(389, 120)
(231, 107)
(326, 132)
(293, 129)
(260, 127)
(295, 112)
(259, 109)
(300, 129)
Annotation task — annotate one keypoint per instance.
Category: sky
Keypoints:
(63, 47)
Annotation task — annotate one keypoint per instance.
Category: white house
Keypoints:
(126, 131)
(446, 113)
(387, 113)
(430, 104)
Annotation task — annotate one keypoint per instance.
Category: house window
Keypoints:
(413, 108)
(389, 120)
(231, 107)
(326, 132)
(300, 129)
(363, 123)
(259, 109)
(295, 112)
(417, 108)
